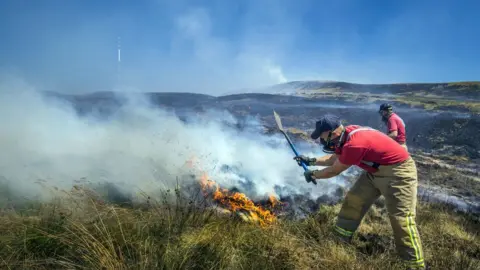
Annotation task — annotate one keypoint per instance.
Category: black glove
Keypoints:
(308, 161)
(309, 175)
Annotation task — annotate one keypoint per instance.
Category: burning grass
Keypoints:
(83, 232)
(237, 202)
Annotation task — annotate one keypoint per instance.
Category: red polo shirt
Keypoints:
(395, 123)
(370, 146)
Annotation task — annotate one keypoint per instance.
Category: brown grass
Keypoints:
(82, 232)
(430, 103)
(422, 99)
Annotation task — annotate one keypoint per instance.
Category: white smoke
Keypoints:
(141, 149)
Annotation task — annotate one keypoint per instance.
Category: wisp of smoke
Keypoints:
(141, 148)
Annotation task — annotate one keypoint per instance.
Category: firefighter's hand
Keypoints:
(307, 160)
(309, 177)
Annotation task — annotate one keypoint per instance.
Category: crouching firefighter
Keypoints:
(388, 170)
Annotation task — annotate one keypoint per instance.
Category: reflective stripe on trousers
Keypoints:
(398, 184)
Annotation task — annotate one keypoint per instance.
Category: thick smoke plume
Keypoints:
(140, 149)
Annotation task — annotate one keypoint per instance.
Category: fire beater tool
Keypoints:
(280, 127)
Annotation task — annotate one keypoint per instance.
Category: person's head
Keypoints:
(385, 110)
(329, 129)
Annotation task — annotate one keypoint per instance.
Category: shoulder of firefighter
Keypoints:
(368, 147)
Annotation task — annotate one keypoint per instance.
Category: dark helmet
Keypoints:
(385, 107)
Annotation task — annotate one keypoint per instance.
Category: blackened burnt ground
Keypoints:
(445, 144)
(447, 134)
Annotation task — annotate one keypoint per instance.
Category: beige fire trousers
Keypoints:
(398, 184)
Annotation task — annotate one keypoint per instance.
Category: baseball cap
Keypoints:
(326, 123)
(385, 107)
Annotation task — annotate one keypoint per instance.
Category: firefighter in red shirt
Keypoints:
(388, 170)
(395, 124)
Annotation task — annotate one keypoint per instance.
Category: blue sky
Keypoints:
(218, 46)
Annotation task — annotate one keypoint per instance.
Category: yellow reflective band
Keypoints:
(343, 232)
(416, 264)
(414, 238)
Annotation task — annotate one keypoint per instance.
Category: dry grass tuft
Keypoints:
(82, 232)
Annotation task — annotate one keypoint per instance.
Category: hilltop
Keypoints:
(448, 96)
(464, 90)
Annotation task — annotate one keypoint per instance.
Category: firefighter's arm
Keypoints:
(327, 160)
(331, 171)
(393, 134)
(392, 129)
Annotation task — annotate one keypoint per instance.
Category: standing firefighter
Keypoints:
(395, 124)
(388, 170)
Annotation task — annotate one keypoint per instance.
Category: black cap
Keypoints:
(385, 107)
(326, 123)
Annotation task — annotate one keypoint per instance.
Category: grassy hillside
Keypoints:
(84, 232)
(469, 90)
(450, 96)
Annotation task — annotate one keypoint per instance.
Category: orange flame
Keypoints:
(236, 201)
(273, 200)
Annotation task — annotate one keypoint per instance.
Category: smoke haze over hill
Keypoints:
(138, 148)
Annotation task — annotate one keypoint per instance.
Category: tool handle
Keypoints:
(296, 154)
(304, 166)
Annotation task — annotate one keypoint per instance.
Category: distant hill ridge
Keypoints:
(448, 96)
(466, 89)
